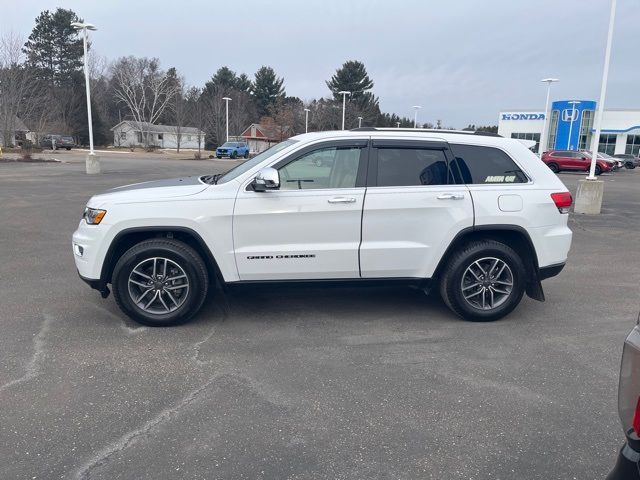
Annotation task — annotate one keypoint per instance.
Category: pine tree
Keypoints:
(351, 77)
(54, 48)
(224, 79)
(243, 83)
(267, 88)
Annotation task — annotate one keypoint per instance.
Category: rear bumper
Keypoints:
(550, 271)
(627, 465)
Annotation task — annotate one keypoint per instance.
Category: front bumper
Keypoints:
(96, 285)
(627, 465)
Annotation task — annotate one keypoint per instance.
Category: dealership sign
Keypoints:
(523, 116)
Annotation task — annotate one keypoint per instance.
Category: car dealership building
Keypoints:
(570, 127)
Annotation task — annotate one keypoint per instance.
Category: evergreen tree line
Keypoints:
(42, 82)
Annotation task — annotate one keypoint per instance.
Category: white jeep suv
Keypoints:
(477, 216)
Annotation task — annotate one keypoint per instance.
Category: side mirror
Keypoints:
(267, 179)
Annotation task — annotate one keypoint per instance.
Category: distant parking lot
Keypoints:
(303, 383)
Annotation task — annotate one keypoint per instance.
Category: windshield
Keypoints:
(249, 164)
(229, 144)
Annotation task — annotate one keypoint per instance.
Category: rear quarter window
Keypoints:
(486, 165)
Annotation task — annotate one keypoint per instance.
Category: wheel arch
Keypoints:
(515, 237)
(129, 237)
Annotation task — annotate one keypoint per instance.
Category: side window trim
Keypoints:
(378, 144)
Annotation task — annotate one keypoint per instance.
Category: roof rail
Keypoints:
(430, 130)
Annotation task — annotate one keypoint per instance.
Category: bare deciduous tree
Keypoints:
(144, 88)
(196, 113)
(18, 95)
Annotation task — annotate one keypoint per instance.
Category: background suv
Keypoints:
(558, 160)
(630, 161)
(57, 141)
(478, 218)
(233, 150)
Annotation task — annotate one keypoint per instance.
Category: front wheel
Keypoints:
(598, 170)
(234, 155)
(483, 281)
(160, 282)
(553, 167)
(246, 154)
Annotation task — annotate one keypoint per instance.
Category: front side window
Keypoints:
(398, 167)
(258, 159)
(486, 165)
(332, 167)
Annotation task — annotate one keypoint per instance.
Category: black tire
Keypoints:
(553, 167)
(68, 148)
(598, 170)
(182, 255)
(451, 280)
(630, 165)
(246, 154)
(218, 156)
(234, 155)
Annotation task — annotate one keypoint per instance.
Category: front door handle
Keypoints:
(451, 196)
(342, 200)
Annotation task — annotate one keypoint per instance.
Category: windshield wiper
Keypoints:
(212, 179)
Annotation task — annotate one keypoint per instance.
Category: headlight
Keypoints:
(93, 216)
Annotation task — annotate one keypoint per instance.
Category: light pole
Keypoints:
(595, 140)
(397, 124)
(544, 136)
(415, 115)
(306, 120)
(344, 94)
(573, 115)
(591, 190)
(92, 164)
(227, 100)
(359, 122)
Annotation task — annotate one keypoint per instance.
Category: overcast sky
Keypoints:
(462, 60)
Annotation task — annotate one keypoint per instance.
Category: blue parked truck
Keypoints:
(233, 150)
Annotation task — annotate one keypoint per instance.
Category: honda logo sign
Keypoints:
(569, 115)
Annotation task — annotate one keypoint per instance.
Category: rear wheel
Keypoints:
(160, 282)
(553, 167)
(483, 281)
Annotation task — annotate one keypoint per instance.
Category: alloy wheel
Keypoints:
(487, 283)
(158, 285)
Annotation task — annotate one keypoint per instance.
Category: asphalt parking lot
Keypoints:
(341, 383)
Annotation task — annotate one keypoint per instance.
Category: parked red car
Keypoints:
(558, 160)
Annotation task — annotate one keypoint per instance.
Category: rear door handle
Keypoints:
(342, 200)
(451, 196)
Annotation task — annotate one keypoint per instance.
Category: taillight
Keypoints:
(635, 424)
(562, 200)
(629, 388)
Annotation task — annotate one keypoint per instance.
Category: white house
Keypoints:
(130, 133)
(14, 129)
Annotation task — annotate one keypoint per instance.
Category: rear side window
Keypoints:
(486, 165)
(399, 167)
